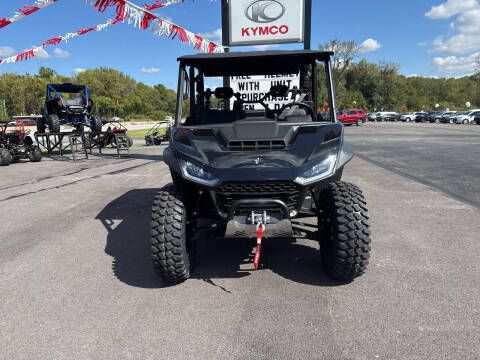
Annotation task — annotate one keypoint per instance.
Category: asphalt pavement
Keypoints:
(443, 156)
(76, 280)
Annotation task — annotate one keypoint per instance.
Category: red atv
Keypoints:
(114, 130)
(16, 144)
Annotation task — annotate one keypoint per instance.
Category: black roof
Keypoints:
(68, 88)
(254, 62)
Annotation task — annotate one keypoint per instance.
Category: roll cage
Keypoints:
(55, 91)
(193, 70)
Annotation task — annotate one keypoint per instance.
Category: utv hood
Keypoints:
(250, 148)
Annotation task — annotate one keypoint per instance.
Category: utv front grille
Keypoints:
(256, 145)
(288, 192)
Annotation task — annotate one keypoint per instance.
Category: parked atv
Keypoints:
(109, 137)
(156, 135)
(248, 173)
(67, 104)
(16, 144)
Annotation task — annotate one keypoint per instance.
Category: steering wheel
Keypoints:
(307, 108)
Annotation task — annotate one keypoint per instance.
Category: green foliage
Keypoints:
(376, 87)
(114, 94)
(46, 73)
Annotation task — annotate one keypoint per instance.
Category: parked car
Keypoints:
(468, 118)
(447, 117)
(420, 117)
(434, 116)
(372, 116)
(477, 119)
(407, 117)
(453, 119)
(388, 116)
(352, 116)
(28, 120)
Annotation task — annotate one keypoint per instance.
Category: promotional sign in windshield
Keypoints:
(259, 22)
(254, 88)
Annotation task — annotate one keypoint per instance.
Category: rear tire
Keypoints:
(359, 122)
(35, 155)
(170, 256)
(344, 231)
(129, 141)
(53, 123)
(41, 127)
(5, 157)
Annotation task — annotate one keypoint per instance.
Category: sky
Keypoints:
(435, 38)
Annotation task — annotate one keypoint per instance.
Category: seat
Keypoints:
(218, 117)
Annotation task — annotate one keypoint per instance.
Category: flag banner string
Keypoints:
(144, 19)
(25, 11)
(36, 51)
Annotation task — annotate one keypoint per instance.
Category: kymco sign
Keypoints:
(259, 22)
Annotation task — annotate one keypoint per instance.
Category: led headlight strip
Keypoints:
(196, 173)
(318, 171)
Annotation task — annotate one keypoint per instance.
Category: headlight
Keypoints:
(197, 174)
(317, 172)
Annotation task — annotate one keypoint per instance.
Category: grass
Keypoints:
(140, 134)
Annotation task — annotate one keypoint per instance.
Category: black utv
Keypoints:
(246, 172)
(68, 104)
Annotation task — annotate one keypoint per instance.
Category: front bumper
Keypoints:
(266, 195)
(244, 213)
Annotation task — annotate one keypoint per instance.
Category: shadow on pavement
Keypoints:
(233, 258)
(127, 220)
(146, 156)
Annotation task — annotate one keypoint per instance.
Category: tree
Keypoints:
(46, 73)
(345, 54)
(113, 92)
(477, 79)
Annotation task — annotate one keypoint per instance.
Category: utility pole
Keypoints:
(307, 41)
(225, 34)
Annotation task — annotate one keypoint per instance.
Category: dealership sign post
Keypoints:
(266, 22)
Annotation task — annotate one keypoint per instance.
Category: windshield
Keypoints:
(67, 92)
(213, 97)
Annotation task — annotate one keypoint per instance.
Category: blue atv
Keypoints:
(67, 104)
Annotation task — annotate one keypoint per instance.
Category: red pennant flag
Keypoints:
(25, 55)
(28, 9)
(87, 30)
(4, 22)
(53, 41)
(147, 20)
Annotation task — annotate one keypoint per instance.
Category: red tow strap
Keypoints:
(259, 247)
